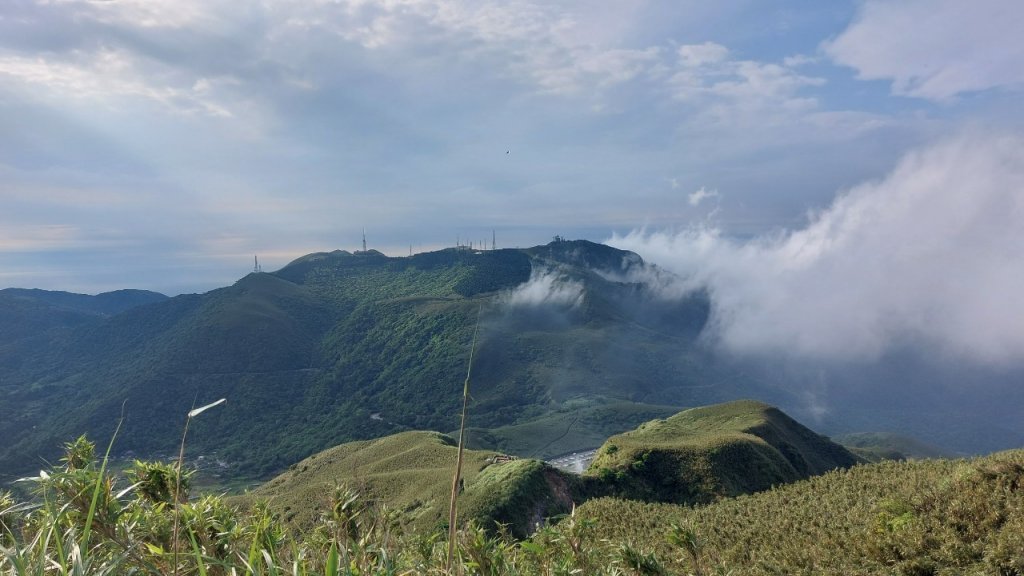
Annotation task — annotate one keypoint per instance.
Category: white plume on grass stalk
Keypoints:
(177, 482)
(198, 411)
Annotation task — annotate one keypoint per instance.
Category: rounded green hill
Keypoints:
(702, 454)
(411, 473)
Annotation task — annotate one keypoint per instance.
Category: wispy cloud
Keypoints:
(725, 88)
(700, 195)
(142, 13)
(105, 77)
(935, 49)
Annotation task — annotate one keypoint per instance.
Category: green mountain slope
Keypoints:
(345, 346)
(411, 472)
(27, 313)
(704, 454)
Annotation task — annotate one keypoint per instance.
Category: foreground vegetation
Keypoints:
(82, 521)
(916, 517)
(895, 517)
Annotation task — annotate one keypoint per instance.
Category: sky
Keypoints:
(794, 153)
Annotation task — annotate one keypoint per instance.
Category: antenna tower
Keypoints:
(364, 239)
(494, 242)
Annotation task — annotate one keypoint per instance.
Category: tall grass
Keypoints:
(456, 484)
(132, 529)
(932, 517)
(177, 476)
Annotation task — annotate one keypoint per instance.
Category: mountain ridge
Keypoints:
(308, 353)
(341, 346)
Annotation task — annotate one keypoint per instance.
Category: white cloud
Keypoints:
(535, 42)
(546, 287)
(107, 75)
(696, 55)
(933, 255)
(142, 13)
(732, 92)
(935, 49)
(700, 195)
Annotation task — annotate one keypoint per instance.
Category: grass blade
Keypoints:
(332, 561)
(99, 483)
(198, 554)
(453, 507)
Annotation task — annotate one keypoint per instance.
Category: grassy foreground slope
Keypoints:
(411, 472)
(938, 517)
(894, 517)
(703, 454)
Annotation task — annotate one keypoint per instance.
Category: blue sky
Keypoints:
(160, 144)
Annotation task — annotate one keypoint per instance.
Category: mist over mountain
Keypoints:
(929, 258)
(576, 341)
(900, 298)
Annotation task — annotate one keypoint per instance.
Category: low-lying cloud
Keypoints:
(930, 257)
(546, 287)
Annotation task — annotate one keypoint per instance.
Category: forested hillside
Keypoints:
(344, 346)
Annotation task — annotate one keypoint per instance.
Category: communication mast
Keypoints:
(494, 242)
(256, 264)
(364, 239)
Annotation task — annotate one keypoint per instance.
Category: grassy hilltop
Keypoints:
(412, 472)
(703, 454)
(699, 455)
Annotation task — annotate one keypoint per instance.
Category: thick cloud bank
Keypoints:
(930, 257)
